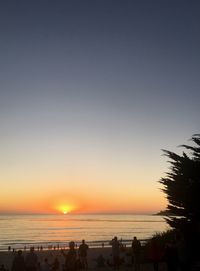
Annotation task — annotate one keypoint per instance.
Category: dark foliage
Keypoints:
(182, 188)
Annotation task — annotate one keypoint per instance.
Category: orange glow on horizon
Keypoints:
(65, 209)
(65, 204)
(68, 205)
(90, 201)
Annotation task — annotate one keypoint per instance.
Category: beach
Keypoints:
(6, 258)
(53, 232)
(18, 231)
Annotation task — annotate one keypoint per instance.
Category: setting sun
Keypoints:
(65, 204)
(65, 209)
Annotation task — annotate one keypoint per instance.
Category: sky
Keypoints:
(90, 92)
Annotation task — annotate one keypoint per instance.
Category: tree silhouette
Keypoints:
(182, 188)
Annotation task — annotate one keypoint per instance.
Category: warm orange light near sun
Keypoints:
(137, 200)
(65, 209)
(65, 205)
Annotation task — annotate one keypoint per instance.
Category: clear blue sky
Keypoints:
(90, 92)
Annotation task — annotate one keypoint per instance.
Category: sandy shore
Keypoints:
(6, 258)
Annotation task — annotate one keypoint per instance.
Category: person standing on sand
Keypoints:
(136, 249)
(82, 251)
(18, 263)
(31, 260)
(115, 252)
(70, 257)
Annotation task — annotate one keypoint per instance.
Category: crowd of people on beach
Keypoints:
(76, 257)
(174, 254)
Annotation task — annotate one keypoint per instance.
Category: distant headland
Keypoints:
(164, 213)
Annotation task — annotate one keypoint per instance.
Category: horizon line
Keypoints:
(88, 213)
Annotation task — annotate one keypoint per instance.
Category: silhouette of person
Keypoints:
(115, 251)
(70, 257)
(31, 260)
(18, 263)
(82, 251)
(136, 249)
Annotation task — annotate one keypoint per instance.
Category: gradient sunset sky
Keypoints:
(90, 92)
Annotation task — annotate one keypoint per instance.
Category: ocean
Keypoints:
(19, 231)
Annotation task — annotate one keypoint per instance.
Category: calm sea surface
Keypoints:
(45, 230)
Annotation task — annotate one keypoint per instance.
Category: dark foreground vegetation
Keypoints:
(182, 189)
